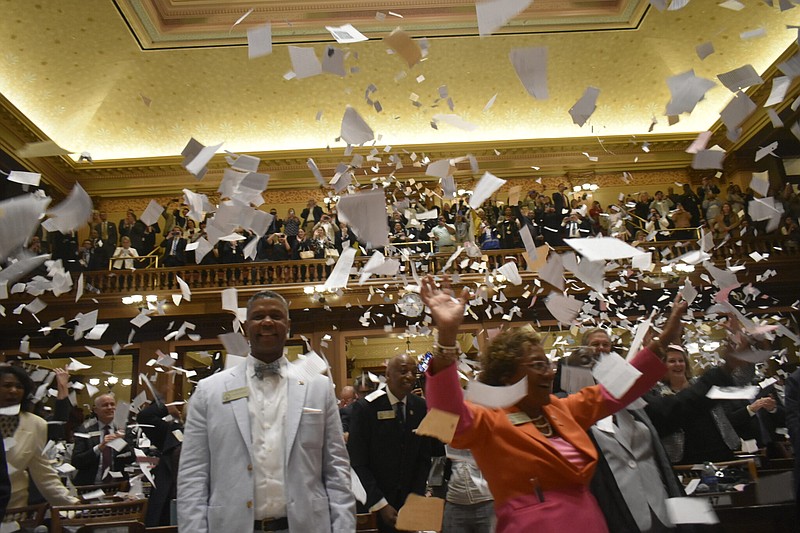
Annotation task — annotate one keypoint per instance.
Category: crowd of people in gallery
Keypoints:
(597, 460)
(316, 232)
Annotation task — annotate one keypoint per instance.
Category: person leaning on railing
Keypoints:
(682, 221)
(123, 255)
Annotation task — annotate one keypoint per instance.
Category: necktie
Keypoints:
(107, 462)
(267, 369)
(174, 246)
(400, 413)
(104, 233)
(725, 428)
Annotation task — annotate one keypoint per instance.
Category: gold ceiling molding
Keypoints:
(88, 85)
(170, 24)
(759, 119)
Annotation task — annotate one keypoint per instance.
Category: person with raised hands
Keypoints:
(536, 455)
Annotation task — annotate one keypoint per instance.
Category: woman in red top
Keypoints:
(536, 455)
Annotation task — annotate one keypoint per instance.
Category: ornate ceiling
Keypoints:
(160, 24)
(130, 81)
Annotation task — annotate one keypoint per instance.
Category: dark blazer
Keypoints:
(5, 482)
(345, 413)
(792, 399)
(339, 241)
(179, 259)
(690, 410)
(112, 234)
(87, 461)
(166, 473)
(561, 203)
(315, 214)
(391, 461)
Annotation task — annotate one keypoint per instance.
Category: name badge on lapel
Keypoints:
(386, 415)
(519, 418)
(235, 394)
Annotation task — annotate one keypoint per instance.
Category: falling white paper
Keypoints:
(340, 274)
(530, 64)
(354, 129)
(485, 188)
(346, 34)
(25, 178)
(563, 308)
(732, 393)
(365, 212)
(230, 300)
(494, 14)
(760, 182)
(152, 213)
(603, 248)
(615, 374)
(71, 214)
(496, 397)
(585, 106)
(305, 63)
(691, 510)
(259, 41)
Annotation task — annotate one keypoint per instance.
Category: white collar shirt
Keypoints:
(267, 408)
(394, 399)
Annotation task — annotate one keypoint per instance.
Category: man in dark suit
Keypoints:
(166, 436)
(390, 459)
(106, 231)
(174, 248)
(792, 401)
(312, 210)
(92, 456)
(561, 200)
(361, 387)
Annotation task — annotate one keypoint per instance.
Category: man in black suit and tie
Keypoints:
(106, 232)
(390, 459)
(94, 458)
(174, 248)
(561, 200)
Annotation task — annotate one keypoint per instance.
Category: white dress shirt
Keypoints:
(267, 408)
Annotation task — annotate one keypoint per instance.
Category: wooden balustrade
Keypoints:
(316, 271)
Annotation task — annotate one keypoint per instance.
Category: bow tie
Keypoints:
(267, 369)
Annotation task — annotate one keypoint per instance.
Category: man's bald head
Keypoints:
(401, 372)
(347, 396)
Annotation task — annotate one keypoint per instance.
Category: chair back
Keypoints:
(97, 513)
(367, 523)
(113, 527)
(110, 489)
(27, 517)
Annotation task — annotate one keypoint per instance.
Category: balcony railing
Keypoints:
(316, 271)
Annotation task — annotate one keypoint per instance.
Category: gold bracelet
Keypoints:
(450, 353)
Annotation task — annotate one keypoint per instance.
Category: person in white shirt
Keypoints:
(444, 236)
(263, 447)
(123, 255)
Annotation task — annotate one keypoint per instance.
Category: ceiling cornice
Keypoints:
(289, 169)
(759, 119)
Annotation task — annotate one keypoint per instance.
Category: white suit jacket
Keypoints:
(215, 478)
(26, 456)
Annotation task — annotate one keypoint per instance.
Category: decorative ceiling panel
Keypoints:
(75, 72)
(160, 24)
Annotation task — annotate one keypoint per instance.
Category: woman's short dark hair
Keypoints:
(501, 359)
(24, 379)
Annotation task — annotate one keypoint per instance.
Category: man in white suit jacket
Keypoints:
(263, 447)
